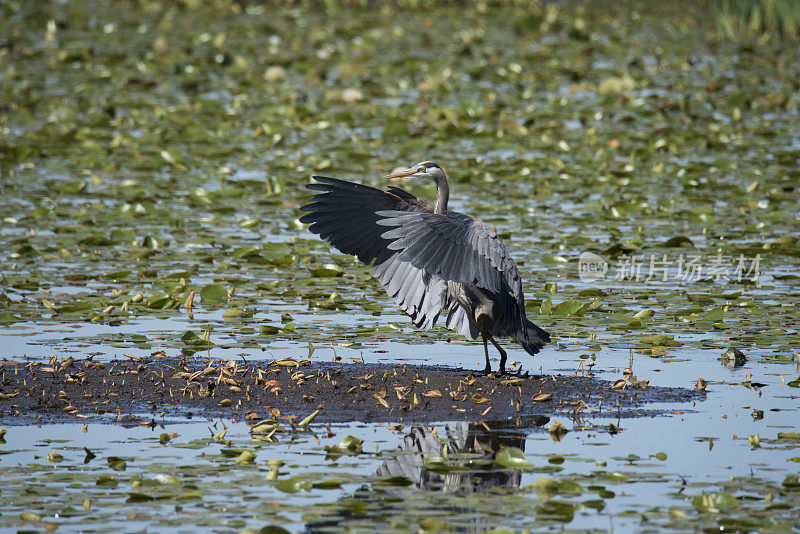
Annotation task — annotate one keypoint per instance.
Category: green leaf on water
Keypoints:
(123, 236)
(191, 338)
(245, 251)
(76, 306)
(7, 318)
(116, 463)
(432, 524)
(395, 481)
(570, 487)
(679, 241)
(250, 223)
(246, 458)
(294, 484)
(136, 496)
(237, 313)
(150, 242)
(714, 502)
(661, 340)
(96, 240)
(546, 487)
(592, 292)
(791, 483)
(331, 483)
(72, 187)
(569, 307)
(268, 330)
(699, 298)
(161, 479)
(107, 480)
(213, 294)
(512, 457)
(349, 445)
(161, 302)
(327, 271)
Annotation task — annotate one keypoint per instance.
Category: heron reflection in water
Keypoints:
(468, 448)
(428, 259)
(485, 439)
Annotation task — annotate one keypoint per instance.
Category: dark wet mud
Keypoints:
(152, 390)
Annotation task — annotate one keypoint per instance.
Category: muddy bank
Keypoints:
(160, 388)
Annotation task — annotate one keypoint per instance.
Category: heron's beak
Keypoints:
(404, 173)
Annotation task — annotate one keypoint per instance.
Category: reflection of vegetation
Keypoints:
(737, 17)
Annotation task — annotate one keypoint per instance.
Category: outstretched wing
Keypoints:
(454, 246)
(460, 249)
(416, 253)
(346, 215)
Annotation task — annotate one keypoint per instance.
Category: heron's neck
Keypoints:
(442, 195)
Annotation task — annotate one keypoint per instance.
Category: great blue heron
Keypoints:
(428, 259)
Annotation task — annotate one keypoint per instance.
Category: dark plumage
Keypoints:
(428, 259)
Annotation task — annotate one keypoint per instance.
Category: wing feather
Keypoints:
(344, 214)
(403, 271)
(419, 295)
(468, 250)
(457, 320)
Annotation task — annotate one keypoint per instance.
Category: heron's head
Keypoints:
(423, 169)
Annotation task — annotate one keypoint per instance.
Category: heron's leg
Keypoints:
(488, 369)
(482, 321)
(503, 355)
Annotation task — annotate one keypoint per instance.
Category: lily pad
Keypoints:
(714, 502)
(213, 294)
(512, 457)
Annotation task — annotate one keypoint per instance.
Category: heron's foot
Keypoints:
(518, 372)
(485, 372)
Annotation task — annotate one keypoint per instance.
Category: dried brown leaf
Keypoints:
(480, 399)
